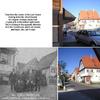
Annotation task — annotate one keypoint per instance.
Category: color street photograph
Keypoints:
(78, 74)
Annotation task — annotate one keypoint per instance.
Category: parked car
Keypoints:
(88, 37)
(98, 29)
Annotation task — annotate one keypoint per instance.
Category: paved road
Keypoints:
(77, 86)
(76, 91)
(70, 40)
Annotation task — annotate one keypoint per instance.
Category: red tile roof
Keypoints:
(76, 70)
(59, 67)
(89, 15)
(91, 62)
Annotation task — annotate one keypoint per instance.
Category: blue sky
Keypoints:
(72, 56)
(74, 6)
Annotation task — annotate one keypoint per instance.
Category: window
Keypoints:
(3, 58)
(84, 21)
(98, 70)
(90, 25)
(85, 33)
(92, 20)
(91, 70)
(98, 21)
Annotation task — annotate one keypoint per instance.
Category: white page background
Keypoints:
(39, 38)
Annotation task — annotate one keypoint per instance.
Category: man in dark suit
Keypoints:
(12, 79)
(38, 80)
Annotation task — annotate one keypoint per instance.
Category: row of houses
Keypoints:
(88, 70)
(46, 65)
(87, 19)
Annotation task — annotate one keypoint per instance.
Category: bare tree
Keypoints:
(62, 64)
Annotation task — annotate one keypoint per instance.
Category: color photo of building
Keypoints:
(88, 19)
(60, 17)
(88, 71)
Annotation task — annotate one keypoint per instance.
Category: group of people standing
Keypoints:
(27, 81)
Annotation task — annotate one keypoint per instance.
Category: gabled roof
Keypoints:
(47, 60)
(90, 62)
(76, 70)
(89, 15)
(33, 64)
(44, 62)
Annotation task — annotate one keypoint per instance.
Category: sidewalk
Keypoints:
(90, 85)
(69, 37)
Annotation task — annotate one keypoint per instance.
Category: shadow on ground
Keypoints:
(93, 93)
(87, 94)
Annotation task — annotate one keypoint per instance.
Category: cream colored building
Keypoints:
(88, 19)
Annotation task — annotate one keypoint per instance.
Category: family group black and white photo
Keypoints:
(28, 73)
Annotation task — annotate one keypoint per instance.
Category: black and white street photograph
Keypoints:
(28, 73)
